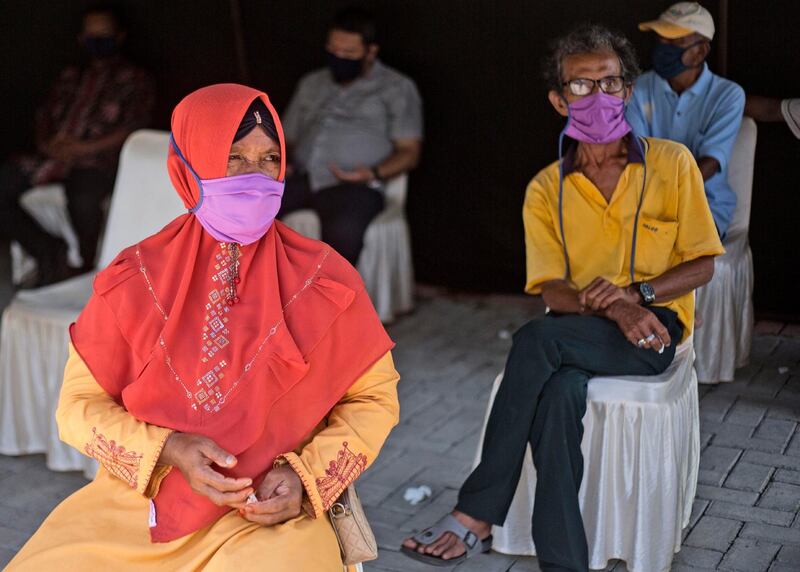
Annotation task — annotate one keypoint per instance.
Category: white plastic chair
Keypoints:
(641, 449)
(385, 262)
(47, 204)
(34, 333)
(725, 305)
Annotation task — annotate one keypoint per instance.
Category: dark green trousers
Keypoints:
(541, 401)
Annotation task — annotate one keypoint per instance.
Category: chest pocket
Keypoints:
(655, 243)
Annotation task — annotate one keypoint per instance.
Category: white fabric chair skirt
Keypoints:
(385, 262)
(34, 335)
(641, 450)
(47, 204)
(33, 351)
(725, 306)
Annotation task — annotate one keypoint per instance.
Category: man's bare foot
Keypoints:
(449, 545)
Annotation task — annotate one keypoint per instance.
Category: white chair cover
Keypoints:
(385, 262)
(725, 305)
(641, 449)
(34, 335)
(47, 204)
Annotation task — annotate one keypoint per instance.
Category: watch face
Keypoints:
(647, 291)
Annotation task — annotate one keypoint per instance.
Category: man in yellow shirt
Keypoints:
(618, 235)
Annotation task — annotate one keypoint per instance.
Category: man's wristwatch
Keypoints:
(645, 291)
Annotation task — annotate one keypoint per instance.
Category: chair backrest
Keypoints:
(740, 175)
(395, 191)
(144, 200)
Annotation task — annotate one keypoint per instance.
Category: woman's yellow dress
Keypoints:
(105, 525)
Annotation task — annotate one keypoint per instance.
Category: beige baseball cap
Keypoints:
(680, 20)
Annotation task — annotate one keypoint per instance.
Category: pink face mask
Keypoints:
(240, 208)
(597, 118)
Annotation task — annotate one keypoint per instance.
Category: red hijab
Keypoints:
(256, 377)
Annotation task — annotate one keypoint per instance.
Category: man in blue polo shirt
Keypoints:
(680, 99)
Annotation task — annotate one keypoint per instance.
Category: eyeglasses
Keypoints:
(584, 86)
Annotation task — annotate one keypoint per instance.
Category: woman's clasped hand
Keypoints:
(279, 497)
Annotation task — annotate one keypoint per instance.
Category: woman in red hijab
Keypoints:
(229, 374)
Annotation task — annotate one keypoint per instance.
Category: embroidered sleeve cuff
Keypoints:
(151, 472)
(313, 502)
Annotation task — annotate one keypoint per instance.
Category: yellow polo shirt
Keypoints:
(675, 224)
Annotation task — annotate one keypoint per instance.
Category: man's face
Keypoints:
(591, 66)
(698, 51)
(347, 45)
(99, 25)
(100, 35)
(350, 46)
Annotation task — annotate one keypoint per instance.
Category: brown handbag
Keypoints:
(356, 540)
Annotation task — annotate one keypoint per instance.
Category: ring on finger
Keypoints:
(641, 342)
(650, 338)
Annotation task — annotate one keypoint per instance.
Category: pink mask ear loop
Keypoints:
(188, 166)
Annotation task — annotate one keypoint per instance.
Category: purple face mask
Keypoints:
(597, 118)
(240, 208)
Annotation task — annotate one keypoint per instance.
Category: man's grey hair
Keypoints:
(587, 39)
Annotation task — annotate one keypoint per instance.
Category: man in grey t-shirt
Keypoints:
(350, 127)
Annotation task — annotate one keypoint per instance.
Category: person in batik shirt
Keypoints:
(80, 130)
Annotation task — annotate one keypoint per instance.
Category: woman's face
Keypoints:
(256, 152)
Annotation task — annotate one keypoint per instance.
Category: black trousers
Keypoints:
(541, 401)
(85, 190)
(344, 211)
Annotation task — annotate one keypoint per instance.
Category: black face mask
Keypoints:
(668, 59)
(343, 69)
(100, 46)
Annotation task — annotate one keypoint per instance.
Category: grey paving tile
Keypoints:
(785, 354)
(372, 493)
(789, 555)
(750, 514)
(773, 460)
(778, 567)
(713, 533)
(719, 459)
(787, 476)
(781, 496)
(727, 434)
(749, 555)
(727, 495)
(762, 347)
(688, 568)
(770, 533)
(699, 507)
(749, 477)
(786, 407)
(775, 430)
(388, 537)
(745, 412)
(493, 562)
(390, 561)
(715, 406)
(711, 478)
(385, 516)
(794, 444)
(700, 557)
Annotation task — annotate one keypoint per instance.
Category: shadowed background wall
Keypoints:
(489, 127)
